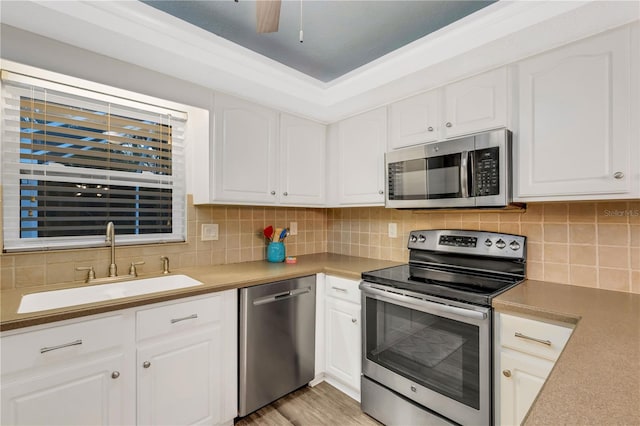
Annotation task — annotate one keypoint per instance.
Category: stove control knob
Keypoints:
(501, 244)
(421, 238)
(413, 239)
(514, 245)
(488, 242)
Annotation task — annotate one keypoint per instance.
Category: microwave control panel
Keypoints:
(486, 172)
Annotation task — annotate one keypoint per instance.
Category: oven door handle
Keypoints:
(432, 306)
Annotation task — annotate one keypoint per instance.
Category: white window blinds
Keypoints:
(74, 159)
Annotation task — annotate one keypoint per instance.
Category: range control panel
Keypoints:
(477, 243)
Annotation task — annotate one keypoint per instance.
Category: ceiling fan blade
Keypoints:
(267, 16)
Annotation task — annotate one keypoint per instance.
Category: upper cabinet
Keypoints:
(261, 157)
(415, 120)
(575, 121)
(468, 106)
(245, 152)
(302, 161)
(361, 144)
(475, 104)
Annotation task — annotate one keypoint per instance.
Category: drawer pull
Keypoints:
(175, 320)
(64, 345)
(523, 336)
(344, 290)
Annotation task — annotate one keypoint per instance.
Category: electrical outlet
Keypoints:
(209, 232)
(393, 230)
(293, 228)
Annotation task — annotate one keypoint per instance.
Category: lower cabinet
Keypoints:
(168, 363)
(527, 350)
(342, 340)
(521, 379)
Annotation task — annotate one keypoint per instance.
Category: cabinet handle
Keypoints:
(354, 320)
(146, 364)
(381, 192)
(273, 192)
(448, 124)
(344, 290)
(285, 193)
(618, 175)
(115, 374)
(430, 128)
(175, 320)
(64, 345)
(506, 373)
(523, 336)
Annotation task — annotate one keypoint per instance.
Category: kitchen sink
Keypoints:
(55, 299)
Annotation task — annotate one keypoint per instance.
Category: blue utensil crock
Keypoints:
(275, 252)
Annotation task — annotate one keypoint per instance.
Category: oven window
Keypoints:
(435, 352)
(443, 176)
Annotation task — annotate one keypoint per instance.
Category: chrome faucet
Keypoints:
(111, 239)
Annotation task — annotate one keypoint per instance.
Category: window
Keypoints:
(74, 160)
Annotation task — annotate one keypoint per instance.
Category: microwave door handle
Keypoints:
(464, 174)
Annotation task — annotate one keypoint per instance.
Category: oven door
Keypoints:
(436, 354)
(432, 175)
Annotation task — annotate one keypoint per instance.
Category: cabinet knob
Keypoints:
(354, 320)
(285, 193)
(273, 192)
(618, 175)
(448, 124)
(381, 192)
(146, 364)
(430, 128)
(115, 374)
(506, 373)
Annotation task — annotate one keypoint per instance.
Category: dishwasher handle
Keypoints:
(281, 296)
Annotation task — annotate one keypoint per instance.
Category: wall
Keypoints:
(587, 244)
(240, 240)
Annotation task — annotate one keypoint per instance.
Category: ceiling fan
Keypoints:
(267, 16)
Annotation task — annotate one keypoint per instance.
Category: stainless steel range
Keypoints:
(427, 327)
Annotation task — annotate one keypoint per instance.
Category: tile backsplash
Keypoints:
(592, 244)
(240, 239)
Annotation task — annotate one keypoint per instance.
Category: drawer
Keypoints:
(178, 317)
(533, 337)
(343, 288)
(62, 343)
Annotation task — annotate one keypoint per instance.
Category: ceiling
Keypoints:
(339, 36)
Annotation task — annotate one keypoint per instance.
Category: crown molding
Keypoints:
(161, 42)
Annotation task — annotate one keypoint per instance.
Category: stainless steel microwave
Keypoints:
(472, 171)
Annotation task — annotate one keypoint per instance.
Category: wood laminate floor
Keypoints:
(309, 406)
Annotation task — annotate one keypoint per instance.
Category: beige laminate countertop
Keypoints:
(214, 278)
(596, 380)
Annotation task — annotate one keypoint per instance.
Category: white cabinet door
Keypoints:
(414, 120)
(245, 154)
(186, 362)
(77, 393)
(178, 380)
(521, 379)
(343, 339)
(574, 104)
(302, 161)
(475, 104)
(362, 142)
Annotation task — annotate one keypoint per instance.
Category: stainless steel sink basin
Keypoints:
(97, 293)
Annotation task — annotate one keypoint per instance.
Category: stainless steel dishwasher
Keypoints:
(277, 340)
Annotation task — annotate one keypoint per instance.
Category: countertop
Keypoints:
(596, 380)
(214, 278)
